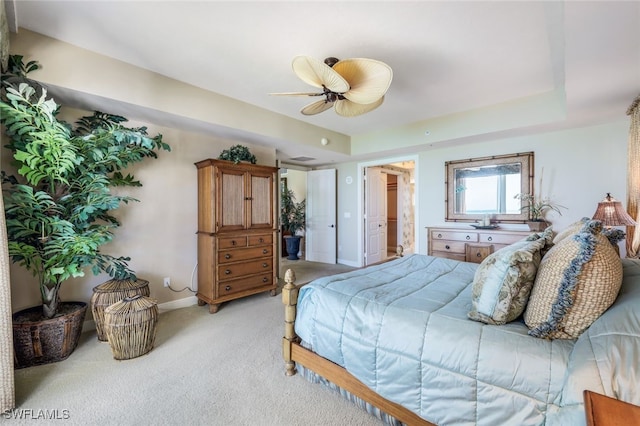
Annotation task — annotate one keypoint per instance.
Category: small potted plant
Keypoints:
(237, 153)
(292, 217)
(538, 207)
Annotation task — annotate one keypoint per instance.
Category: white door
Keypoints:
(320, 231)
(375, 215)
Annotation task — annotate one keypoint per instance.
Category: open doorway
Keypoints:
(388, 209)
(295, 180)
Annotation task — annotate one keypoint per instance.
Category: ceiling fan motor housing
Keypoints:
(331, 61)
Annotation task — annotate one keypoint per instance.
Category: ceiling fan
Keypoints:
(352, 86)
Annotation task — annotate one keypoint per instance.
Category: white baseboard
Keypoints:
(177, 304)
(162, 307)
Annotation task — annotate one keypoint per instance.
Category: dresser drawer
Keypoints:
(237, 286)
(449, 246)
(500, 238)
(231, 255)
(448, 255)
(232, 242)
(476, 253)
(471, 237)
(236, 270)
(256, 240)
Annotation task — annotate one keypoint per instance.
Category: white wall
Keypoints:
(580, 167)
(297, 182)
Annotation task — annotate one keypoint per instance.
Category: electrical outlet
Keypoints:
(167, 281)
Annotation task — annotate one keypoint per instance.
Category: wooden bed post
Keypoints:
(290, 299)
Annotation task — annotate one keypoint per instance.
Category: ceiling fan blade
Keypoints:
(347, 108)
(318, 74)
(316, 107)
(369, 79)
(296, 94)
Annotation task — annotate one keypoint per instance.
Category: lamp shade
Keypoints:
(611, 213)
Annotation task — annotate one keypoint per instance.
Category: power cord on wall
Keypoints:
(190, 287)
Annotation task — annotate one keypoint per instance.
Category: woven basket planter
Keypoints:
(130, 326)
(38, 341)
(110, 292)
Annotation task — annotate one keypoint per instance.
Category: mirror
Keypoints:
(487, 186)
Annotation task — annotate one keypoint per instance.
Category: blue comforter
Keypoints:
(402, 329)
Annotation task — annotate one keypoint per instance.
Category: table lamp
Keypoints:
(611, 213)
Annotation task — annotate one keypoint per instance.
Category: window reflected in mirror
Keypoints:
(488, 186)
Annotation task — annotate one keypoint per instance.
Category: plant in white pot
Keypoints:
(58, 206)
(538, 207)
(292, 217)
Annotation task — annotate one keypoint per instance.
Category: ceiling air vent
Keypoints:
(301, 159)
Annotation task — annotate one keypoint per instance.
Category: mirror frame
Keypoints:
(526, 183)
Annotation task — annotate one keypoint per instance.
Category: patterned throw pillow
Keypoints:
(547, 235)
(503, 282)
(578, 279)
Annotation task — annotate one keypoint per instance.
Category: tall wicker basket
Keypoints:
(130, 326)
(110, 292)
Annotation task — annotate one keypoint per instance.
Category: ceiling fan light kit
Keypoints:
(352, 86)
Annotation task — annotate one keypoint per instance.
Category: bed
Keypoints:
(397, 337)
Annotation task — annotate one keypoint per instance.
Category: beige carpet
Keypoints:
(221, 369)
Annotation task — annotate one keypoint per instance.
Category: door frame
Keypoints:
(361, 201)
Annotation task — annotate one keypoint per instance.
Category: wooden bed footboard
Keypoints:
(293, 353)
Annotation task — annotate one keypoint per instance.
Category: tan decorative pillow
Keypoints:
(574, 228)
(503, 281)
(578, 279)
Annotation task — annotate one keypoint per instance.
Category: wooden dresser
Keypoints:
(237, 220)
(468, 244)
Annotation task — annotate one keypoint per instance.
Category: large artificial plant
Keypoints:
(58, 208)
(292, 213)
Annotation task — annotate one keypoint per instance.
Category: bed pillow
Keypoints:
(572, 229)
(578, 279)
(503, 281)
(548, 237)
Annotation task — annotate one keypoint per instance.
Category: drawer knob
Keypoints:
(228, 271)
(447, 247)
(265, 279)
(227, 256)
(261, 240)
(468, 237)
(479, 254)
(265, 251)
(233, 242)
(264, 265)
(439, 235)
(490, 239)
(228, 288)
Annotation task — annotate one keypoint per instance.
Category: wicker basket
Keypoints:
(38, 341)
(130, 326)
(110, 292)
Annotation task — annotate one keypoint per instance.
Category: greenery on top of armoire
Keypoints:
(58, 207)
(237, 153)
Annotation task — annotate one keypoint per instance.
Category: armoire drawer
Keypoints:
(236, 286)
(232, 242)
(236, 270)
(236, 255)
(256, 240)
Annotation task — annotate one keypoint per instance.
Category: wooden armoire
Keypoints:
(237, 226)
